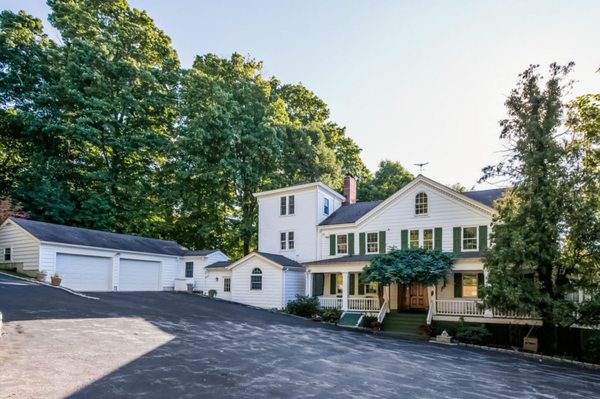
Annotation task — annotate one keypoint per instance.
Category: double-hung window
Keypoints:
(469, 239)
(469, 285)
(227, 284)
(287, 205)
(414, 239)
(428, 238)
(189, 269)
(256, 279)
(286, 240)
(7, 254)
(372, 243)
(326, 206)
(342, 243)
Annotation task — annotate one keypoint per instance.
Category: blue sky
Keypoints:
(413, 81)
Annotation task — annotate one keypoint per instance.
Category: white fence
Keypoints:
(461, 307)
(361, 304)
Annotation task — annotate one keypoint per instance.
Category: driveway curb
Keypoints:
(31, 280)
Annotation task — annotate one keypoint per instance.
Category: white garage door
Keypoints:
(139, 275)
(84, 273)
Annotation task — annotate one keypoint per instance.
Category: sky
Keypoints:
(412, 81)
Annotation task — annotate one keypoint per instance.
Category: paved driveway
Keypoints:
(169, 345)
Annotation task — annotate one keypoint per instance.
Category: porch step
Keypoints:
(404, 324)
(349, 319)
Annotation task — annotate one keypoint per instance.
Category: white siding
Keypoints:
(25, 249)
(200, 262)
(271, 295)
(48, 260)
(444, 212)
(214, 281)
(293, 285)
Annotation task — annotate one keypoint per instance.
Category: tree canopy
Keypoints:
(406, 266)
(389, 178)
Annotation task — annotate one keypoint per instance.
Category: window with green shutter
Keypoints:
(362, 243)
(350, 243)
(456, 237)
(458, 285)
(351, 288)
(437, 239)
(382, 245)
(318, 284)
(333, 284)
(480, 283)
(361, 286)
(331, 244)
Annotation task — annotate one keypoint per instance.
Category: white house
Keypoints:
(91, 260)
(335, 237)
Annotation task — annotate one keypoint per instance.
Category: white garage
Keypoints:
(139, 275)
(85, 273)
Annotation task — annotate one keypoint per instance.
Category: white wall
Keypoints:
(25, 249)
(443, 212)
(271, 295)
(200, 262)
(294, 282)
(169, 264)
(214, 281)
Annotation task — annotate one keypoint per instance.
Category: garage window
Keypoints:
(256, 279)
(189, 269)
(7, 254)
(226, 284)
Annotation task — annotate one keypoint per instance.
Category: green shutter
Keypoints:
(318, 283)
(404, 239)
(351, 288)
(361, 239)
(437, 239)
(382, 245)
(361, 287)
(456, 240)
(483, 238)
(332, 244)
(457, 285)
(480, 283)
(332, 284)
(351, 244)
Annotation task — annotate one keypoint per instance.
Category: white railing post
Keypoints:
(309, 287)
(345, 289)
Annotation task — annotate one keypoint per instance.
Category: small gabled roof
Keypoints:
(350, 213)
(60, 234)
(298, 187)
(218, 265)
(276, 259)
(486, 197)
(202, 252)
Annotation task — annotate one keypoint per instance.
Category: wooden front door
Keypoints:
(417, 296)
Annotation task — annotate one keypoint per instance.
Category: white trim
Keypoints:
(300, 188)
(7, 221)
(367, 242)
(250, 256)
(347, 244)
(462, 238)
(109, 249)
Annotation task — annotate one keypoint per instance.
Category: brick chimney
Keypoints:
(349, 189)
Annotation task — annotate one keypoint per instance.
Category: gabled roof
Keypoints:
(486, 197)
(60, 234)
(202, 252)
(298, 187)
(278, 260)
(218, 265)
(350, 213)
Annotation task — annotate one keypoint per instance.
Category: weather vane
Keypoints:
(420, 165)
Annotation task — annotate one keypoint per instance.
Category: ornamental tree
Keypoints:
(406, 266)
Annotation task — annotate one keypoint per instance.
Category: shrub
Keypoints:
(473, 334)
(331, 315)
(591, 350)
(368, 321)
(212, 293)
(305, 306)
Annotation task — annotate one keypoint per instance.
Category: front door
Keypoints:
(417, 296)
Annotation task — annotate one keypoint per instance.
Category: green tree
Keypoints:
(389, 178)
(524, 264)
(457, 187)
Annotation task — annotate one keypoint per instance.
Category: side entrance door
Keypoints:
(417, 297)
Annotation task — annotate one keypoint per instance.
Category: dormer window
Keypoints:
(421, 204)
(287, 205)
(326, 206)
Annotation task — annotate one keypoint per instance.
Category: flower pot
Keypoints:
(56, 281)
(41, 276)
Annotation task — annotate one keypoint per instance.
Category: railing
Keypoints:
(383, 311)
(363, 304)
(330, 302)
(458, 307)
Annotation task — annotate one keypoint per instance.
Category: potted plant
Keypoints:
(41, 276)
(56, 280)
(212, 293)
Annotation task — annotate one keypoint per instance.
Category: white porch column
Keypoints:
(486, 312)
(432, 292)
(309, 287)
(345, 290)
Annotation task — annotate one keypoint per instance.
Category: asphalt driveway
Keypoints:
(159, 345)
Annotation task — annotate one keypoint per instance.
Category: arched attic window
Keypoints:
(421, 206)
(256, 279)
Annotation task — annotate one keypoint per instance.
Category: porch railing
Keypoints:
(383, 311)
(363, 304)
(458, 307)
(330, 302)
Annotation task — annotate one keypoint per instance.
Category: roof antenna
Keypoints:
(420, 165)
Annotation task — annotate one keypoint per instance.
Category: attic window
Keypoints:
(421, 204)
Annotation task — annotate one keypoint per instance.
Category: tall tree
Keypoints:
(389, 178)
(525, 269)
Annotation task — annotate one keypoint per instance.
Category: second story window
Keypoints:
(372, 243)
(286, 240)
(414, 239)
(287, 205)
(428, 238)
(189, 269)
(421, 204)
(469, 239)
(342, 244)
(326, 206)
